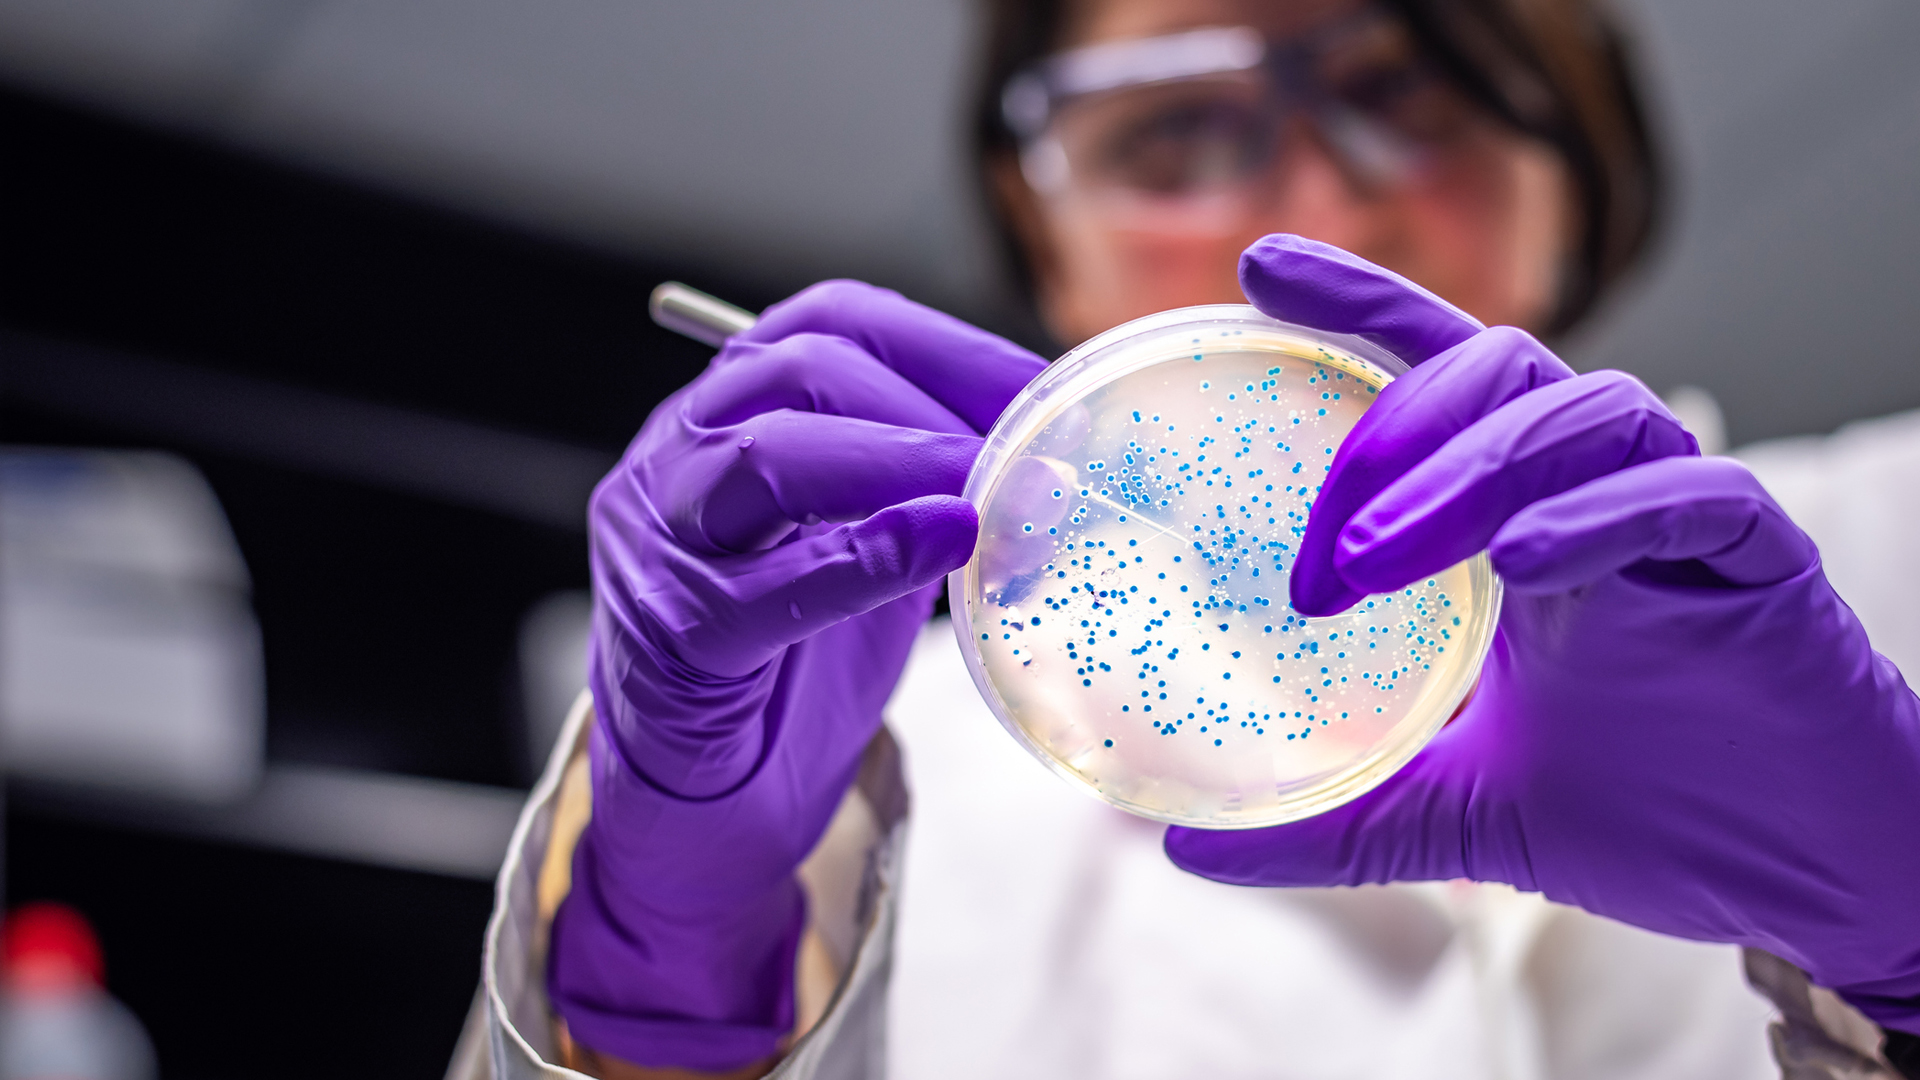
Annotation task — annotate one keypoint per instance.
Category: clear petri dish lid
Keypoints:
(1125, 613)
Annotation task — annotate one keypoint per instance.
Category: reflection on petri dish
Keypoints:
(1125, 612)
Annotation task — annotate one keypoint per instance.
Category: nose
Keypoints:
(1328, 196)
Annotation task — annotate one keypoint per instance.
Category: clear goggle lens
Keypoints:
(1194, 116)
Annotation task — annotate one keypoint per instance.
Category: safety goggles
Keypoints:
(1178, 131)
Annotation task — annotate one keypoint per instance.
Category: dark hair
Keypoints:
(1557, 70)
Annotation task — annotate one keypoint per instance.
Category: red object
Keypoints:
(47, 946)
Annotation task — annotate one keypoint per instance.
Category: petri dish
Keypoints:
(1125, 613)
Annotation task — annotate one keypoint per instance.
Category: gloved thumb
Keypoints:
(1410, 828)
(680, 678)
(1314, 284)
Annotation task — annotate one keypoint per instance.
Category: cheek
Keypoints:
(1488, 233)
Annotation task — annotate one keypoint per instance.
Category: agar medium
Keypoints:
(1125, 612)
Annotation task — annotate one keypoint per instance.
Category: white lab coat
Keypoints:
(1022, 929)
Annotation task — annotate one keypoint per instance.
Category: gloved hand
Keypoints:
(743, 646)
(1679, 725)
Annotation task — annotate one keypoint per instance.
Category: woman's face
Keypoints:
(1484, 220)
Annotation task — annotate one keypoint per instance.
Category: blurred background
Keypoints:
(320, 318)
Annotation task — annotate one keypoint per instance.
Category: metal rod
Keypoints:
(686, 310)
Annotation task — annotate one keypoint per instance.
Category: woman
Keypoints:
(725, 821)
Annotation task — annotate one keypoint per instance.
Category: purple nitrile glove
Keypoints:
(1679, 724)
(742, 649)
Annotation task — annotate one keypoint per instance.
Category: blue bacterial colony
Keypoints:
(1129, 592)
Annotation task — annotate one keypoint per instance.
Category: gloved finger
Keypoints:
(1449, 506)
(746, 486)
(1413, 827)
(1413, 417)
(1709, 509)
(1318, 285)
(968, 370)
(816, 373)
(749, 607)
